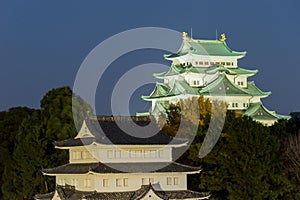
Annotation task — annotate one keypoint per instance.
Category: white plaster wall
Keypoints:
(255, 99)
(192, 58)
(204, 79)
(240, 100)
(241, 78)
(134, 181)
(122, 153)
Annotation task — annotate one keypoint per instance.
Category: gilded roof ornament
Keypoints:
(184, 36)
(223, 37)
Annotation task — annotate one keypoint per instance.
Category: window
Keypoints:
(86, 155)
(110, 154)
(212, 63)
(169, 181)
(160, 153)
(196, 62)
(217, 63)
(223, 63)
(206, 63)
(147, 154)
(144, 181)
(87, 182)
(242, 83)
(61, 181)
(105, 182)
(138, 154)
(201, 63)
(74, 182)
(125, 181)
(132, 154)
(118, 182)
(228, 63)
(196, 82)
(118, 153)
(235, 105)
(151, 180)
(232, 63)
(152, 153)
(77, 155)
(176, 181)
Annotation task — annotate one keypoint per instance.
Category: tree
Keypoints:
(188, 114)
(244, 164)
(9, 123)
(28, 158)
(33, 145)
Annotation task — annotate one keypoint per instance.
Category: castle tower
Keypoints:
(210, 68)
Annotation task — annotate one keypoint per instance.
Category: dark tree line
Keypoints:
(250, 161)
(26, 142)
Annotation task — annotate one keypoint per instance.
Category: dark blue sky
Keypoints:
(43, 43)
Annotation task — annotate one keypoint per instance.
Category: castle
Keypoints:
(107, 163)
(210, 68)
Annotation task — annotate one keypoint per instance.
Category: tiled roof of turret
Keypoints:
(204, 47)
(221, 86)
(260, 113)
(111, 133)
(179, 87)
(83, 168)
(69, 192)
(160, 90)
(255, 91)
(179, 69)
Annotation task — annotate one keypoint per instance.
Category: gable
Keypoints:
(84, 132)
(150, 195)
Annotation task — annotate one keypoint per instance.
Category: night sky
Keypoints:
(43, 43)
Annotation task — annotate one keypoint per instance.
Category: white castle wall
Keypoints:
(124, 182)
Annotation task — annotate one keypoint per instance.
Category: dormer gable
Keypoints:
(84, 132)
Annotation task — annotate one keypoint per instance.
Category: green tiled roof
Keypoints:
(260, 113)
(182, 87)
(231, 71)
(222, 86)
(241, 71)
(159, 91)
(255, 91)
(174, 70)
(205, 47)
(178, 69)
